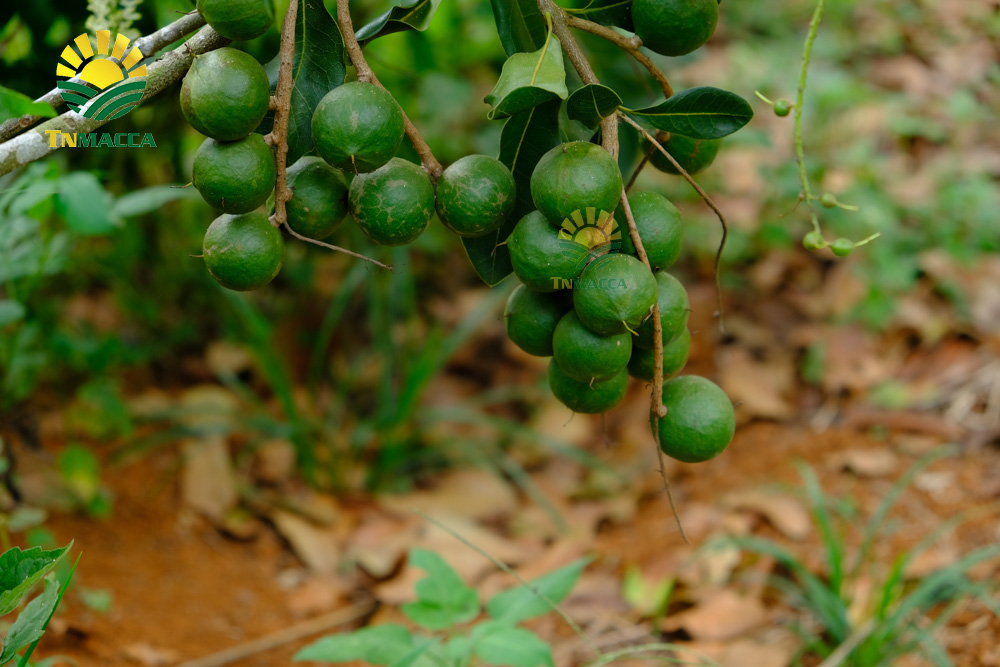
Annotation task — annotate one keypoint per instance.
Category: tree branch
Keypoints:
(278, 137)
(609, 136)
(609, 126)
(35, 144)
(366, 74)
(148, 46)
(704, 195)
(628, 44)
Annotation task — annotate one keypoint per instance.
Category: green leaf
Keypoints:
(520, 25)
(512, 647)
(147, 200)
(30, 624)
(521, 603)
(407, 15)
(317, 69)
(525, 138)
(14, 105)
(378, 644)
(699, 113)
(443, 599)
(10, 311)
(592, 103)
(21, 570)
(82, 202)
(528, 80)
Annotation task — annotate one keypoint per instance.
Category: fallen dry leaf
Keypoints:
(317, 595)
(275, 461)
(754, 653)
(380, 543)
(759, 388)
(470, 565)
(315, 546)
(148, 655)
(208, 482)
(783, 512)
(470, 493)
(226, 358)
(866, 462)
(723, 615)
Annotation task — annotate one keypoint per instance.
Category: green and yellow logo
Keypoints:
(587, 236)
(110, 79)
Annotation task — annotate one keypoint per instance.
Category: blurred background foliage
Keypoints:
(98, 300)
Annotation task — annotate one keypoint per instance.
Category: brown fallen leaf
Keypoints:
(316, 595)
(208, 482)
(722, 615)
(755, 653)
(866, 462)
(275, 461)
(226, 358)
(470, 565)
(783, 512)
(148, 655)
(315, 546)
(470, 493)
(760, 388)
(380, 543)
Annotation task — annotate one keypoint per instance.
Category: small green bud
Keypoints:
(813, 241)
(842, 247)
(782, 108)
(828, 200)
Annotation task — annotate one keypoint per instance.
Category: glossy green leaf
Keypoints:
(83, 204)
(30, 624)
(528, 80)
(317, 68)
(699, 113)
(520, 25)
(14, 105)
(521, 603)
(21, 570)
(500, 644)
(525, 138)
(592, 103)
(443, 599)
(407, 15)
(11, 311)
(377, 644)
(147, 200)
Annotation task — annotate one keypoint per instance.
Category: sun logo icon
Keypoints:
(111, 80)
(589, 234)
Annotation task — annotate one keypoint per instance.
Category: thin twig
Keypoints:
(609, 125)
(640, 167)
(336, 248)
(656, 408)
(609, 136)
(521, 580)
(285, 636)
(708, 200)
(278, 137)
(366, 74)
(628, 44)
(148, 46)
(283, 104)
(36, 143)
(807, 196)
